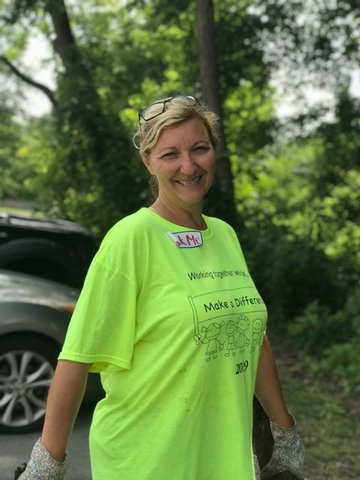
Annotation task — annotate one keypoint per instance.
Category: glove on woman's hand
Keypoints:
(42, 466)
(257, 468)
(288, 453)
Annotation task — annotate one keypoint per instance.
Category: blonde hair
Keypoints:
(176, 110)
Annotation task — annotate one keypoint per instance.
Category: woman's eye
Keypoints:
(201, 148)
(169, 155)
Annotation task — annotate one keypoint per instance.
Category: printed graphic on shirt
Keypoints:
(229, 322)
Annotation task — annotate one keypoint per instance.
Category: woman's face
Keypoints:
(183, 162)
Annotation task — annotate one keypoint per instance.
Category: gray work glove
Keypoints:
(42, 466)
(288, 453)
(257, 468)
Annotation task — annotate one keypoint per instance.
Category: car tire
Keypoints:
(43, 258)
(27, 364)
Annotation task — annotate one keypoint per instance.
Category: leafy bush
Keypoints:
(289, 273)
(330, 339)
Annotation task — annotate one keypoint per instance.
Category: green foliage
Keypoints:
(248, 113)
(331, 338)
(14, 171)
(300, 201)
(289, 272)
(278, 195)
(239, 46)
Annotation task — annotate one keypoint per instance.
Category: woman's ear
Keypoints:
(146, 162)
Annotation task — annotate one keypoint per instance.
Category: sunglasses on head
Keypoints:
(159, 107)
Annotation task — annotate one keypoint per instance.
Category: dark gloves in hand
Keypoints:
(288, 453)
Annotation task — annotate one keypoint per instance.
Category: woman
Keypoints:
(171, 318)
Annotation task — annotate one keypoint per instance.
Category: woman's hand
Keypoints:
(48, 458)
(42, 466)
(288, 453)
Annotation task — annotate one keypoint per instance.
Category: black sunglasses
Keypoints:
(159, 107)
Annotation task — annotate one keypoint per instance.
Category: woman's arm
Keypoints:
(268, 389)
(288, 450)
(65, 396)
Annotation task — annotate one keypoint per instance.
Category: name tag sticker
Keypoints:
(190, 239)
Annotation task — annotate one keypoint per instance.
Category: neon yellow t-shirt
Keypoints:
(173, 321)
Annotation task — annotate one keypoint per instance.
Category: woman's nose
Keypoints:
(188, 165)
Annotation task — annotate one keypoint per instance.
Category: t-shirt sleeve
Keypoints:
(102, 328)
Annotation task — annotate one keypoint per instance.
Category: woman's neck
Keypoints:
(187, 218)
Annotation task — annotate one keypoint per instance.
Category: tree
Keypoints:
(89, 138)
(210, 84)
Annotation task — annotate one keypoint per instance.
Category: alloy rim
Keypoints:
(25, 378)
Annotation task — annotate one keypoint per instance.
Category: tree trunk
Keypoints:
(64, 43)
(77, 72)
(211, 87)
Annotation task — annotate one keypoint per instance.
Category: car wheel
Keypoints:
(43, 258)
(27, 364)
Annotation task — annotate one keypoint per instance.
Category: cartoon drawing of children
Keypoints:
(244, 324)
(231, 342)
(211, 333)
(256, 337)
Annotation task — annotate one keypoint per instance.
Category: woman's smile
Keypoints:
(189, 182)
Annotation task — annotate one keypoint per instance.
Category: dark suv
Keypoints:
(55, 249)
